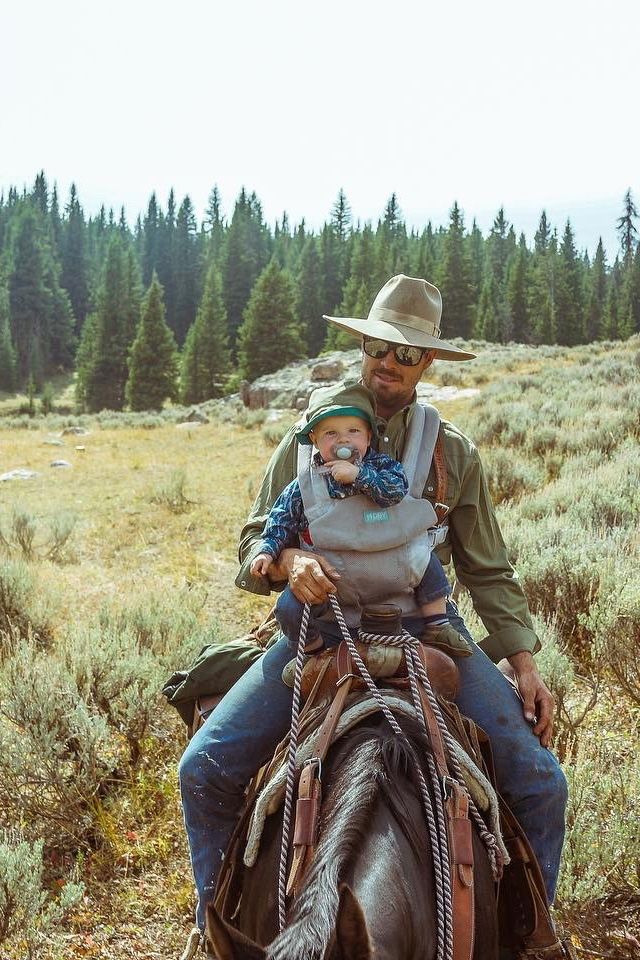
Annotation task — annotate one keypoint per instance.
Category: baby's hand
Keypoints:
(343, 471)
(260, 565)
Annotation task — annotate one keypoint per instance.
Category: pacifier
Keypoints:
(345, 452)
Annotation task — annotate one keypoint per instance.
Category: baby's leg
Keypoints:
(431, 594)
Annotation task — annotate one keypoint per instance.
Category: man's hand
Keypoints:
(342, 470)
(538, 704)
(310, 576)
(260, 564)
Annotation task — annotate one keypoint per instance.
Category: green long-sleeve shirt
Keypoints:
(474, 542)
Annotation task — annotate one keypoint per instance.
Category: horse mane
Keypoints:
(370, 765)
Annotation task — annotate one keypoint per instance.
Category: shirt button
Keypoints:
(430, 489)
(243, 583)
(386, 439)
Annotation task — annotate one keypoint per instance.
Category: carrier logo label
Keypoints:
(375, 516)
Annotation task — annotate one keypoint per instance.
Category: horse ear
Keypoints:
(229, 943)
(352, 937)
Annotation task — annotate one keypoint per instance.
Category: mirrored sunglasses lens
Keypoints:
(376, 348)
(410, 356)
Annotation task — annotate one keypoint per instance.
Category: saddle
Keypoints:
(329, 685)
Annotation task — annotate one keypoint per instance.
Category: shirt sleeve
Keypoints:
(382, 479)
(284, 521)
(482, 565)
(281, 470)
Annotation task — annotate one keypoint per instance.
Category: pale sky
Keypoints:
(501, 102)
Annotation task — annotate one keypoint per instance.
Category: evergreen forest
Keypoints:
(169, 308)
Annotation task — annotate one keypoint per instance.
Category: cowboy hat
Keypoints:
(406, 310)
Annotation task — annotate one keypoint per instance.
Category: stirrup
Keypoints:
(562, 950)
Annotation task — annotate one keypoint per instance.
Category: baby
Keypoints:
(340, 427)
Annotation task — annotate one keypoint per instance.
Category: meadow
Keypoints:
(116, 570)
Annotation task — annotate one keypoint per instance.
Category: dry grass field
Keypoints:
(90, 626)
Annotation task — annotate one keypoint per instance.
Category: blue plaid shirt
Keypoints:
(380, 478)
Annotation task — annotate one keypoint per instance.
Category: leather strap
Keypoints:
(310, 783)
(440, 471)
(306, 826)
(461, 859)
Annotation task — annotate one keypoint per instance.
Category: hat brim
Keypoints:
(302, 435)
(400, 333)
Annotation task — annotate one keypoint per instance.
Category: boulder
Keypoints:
(327, 370)
(60, 463)
(76, 431)
(20, 473)
(195, 416)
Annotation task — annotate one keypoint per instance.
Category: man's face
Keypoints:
(333, 431)
(392, 383)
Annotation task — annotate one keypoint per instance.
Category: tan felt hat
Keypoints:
(406, 310)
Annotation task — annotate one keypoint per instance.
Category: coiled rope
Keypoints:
(432, 794)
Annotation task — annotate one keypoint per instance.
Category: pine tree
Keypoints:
(214, 226)
(517, 327)
(341, 216)
(542, 235)
(247, 253)
(310, 298)
(611, 319)
(455, 279)
(103, 370)
(597, 296)
(569, 293)
(488, 325)
(206, 360)
(150, 235)
(630, 296)
(7, 353)
(627, 229)
(187, 270)
(74, 259)
(153, 360)
(269, 337)
(40, 313)
(359, 290)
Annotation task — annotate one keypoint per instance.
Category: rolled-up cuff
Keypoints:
(247, 581)
(506, 642)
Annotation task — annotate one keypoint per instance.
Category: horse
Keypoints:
(370, 890)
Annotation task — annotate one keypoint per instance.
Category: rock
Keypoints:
(301, 403)
(52, 442)
(76, 431)
(81, 447)
(189, 424)
(59, 463)
(20, 473)
(327, 370)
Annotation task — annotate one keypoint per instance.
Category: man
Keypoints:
(400, 339)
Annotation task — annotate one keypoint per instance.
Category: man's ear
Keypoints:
(429, 356)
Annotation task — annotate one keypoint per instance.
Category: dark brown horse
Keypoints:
(370, 890)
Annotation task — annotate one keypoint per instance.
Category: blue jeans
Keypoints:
(244, 729)
(433, 586)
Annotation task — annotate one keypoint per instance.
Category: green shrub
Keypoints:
(273, 433)
(24, 536)
(25, 608)
(27, 913)
(509, 477)
(56, 753)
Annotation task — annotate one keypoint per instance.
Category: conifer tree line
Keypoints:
(167, 308)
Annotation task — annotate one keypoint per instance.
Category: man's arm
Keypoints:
(482, 565)
(480, 558)
(306, 573)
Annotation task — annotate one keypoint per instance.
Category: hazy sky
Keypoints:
(522, 104)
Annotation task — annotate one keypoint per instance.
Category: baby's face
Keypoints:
(333, 431)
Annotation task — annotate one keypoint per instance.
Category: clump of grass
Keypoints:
(23, 536)
(170, 493)
(26, 609)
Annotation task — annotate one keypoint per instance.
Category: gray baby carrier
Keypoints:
(381, 553)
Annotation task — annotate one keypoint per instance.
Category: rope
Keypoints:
(432, 793)
(291, 770)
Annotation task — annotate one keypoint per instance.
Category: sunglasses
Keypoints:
(406, 355)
